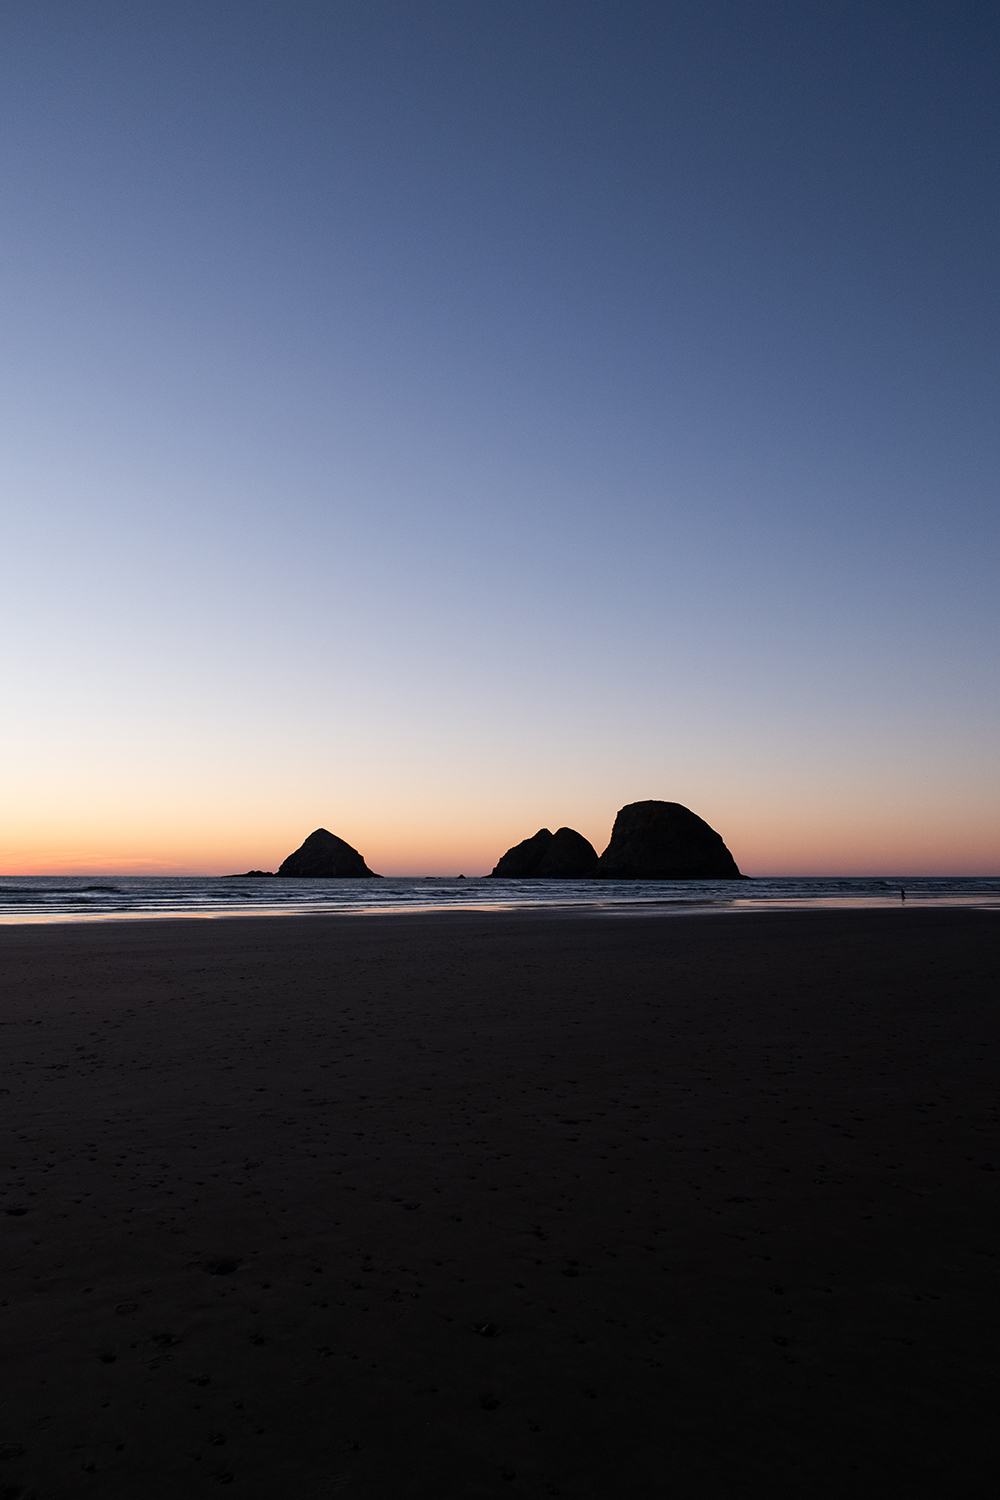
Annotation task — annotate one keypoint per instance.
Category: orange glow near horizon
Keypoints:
(786, 840)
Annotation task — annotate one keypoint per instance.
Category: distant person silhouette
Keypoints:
(902, 894)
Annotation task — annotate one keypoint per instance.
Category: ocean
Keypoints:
(46, 898)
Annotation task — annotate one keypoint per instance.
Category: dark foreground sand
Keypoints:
(498, 1206)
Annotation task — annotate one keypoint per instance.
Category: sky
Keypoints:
(435, 421)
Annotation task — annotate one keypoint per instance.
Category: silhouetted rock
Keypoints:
(325, 857)
(563, 855)
(665, 841)
(252, 875)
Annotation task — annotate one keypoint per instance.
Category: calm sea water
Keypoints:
(43, 898)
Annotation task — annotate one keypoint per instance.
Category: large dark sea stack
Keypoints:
(563, 855)
(665, 841)
(325, 857)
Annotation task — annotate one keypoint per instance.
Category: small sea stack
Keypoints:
(563, 855)
(665, 841)
(324, 856)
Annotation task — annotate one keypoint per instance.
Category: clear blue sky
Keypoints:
(435, 420)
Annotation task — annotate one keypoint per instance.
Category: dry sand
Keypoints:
(488, 1205)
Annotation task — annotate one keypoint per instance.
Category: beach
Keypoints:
(500, 1204)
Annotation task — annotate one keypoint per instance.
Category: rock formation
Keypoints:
(665, 841)
(325, 857)
(563, 855)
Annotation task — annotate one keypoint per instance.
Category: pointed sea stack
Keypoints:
(325, 857)
(665, 841)
(563, 855)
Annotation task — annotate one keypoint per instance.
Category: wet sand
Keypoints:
(469, 1205)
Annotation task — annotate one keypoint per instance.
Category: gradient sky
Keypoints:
(437, 420)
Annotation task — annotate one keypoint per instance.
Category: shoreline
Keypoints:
(494, 1204)
(668, 907)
